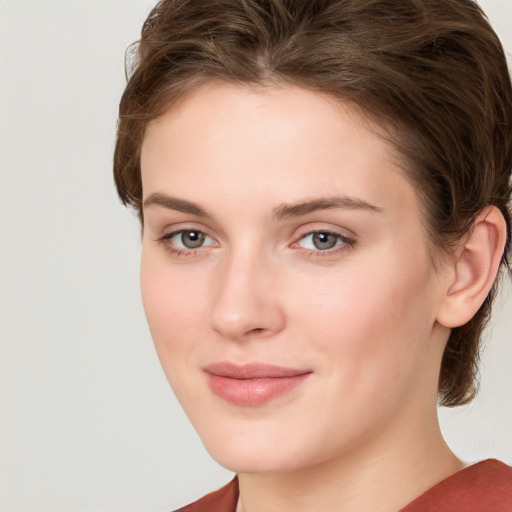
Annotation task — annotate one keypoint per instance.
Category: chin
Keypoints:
(242, 453)
(254, 461)
(257, 450)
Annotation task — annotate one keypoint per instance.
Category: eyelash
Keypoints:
(178, 251)
(342, 243)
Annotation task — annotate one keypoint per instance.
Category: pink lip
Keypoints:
(251, 385)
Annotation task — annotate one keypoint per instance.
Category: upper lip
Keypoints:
(252, 371)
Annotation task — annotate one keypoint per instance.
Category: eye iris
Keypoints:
(192, 239)
(324, 241)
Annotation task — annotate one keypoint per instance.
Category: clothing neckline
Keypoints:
(483, 485)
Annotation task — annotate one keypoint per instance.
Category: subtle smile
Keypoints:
(252, 385)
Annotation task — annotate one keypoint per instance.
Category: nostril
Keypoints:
(258, 331)
(240, 312)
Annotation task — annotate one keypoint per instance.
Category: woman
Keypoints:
(323, 188)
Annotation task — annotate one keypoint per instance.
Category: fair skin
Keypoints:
(279, 230)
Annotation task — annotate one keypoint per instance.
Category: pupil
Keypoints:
(192, 239)
(324, 240)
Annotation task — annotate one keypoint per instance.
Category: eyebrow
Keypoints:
(323, 203)
(283, 211)
(173, 203)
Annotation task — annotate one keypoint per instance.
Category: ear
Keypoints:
(474, 269)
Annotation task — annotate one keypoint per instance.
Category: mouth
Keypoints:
(252, 385)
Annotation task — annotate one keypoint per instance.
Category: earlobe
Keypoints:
(475, 268)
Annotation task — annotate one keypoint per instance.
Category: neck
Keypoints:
(384, 475)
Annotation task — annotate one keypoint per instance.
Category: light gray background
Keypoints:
(87, 422)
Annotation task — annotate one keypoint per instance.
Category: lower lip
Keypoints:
(253, 392)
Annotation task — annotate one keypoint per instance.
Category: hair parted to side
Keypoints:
(431, 73)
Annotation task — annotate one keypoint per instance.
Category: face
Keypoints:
(286, 277)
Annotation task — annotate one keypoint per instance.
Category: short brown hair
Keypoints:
(432, 73)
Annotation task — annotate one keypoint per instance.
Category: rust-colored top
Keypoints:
(483, 487)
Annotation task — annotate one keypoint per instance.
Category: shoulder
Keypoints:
(485, 486)
(223, 500)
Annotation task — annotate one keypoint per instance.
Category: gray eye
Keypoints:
(324, 241)
(192, 239)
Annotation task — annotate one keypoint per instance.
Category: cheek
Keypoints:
(173, 305)
(371, 316)
(172, 302)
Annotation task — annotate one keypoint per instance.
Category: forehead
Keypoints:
(281, 142)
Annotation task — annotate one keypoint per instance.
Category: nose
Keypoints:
(246, 301)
